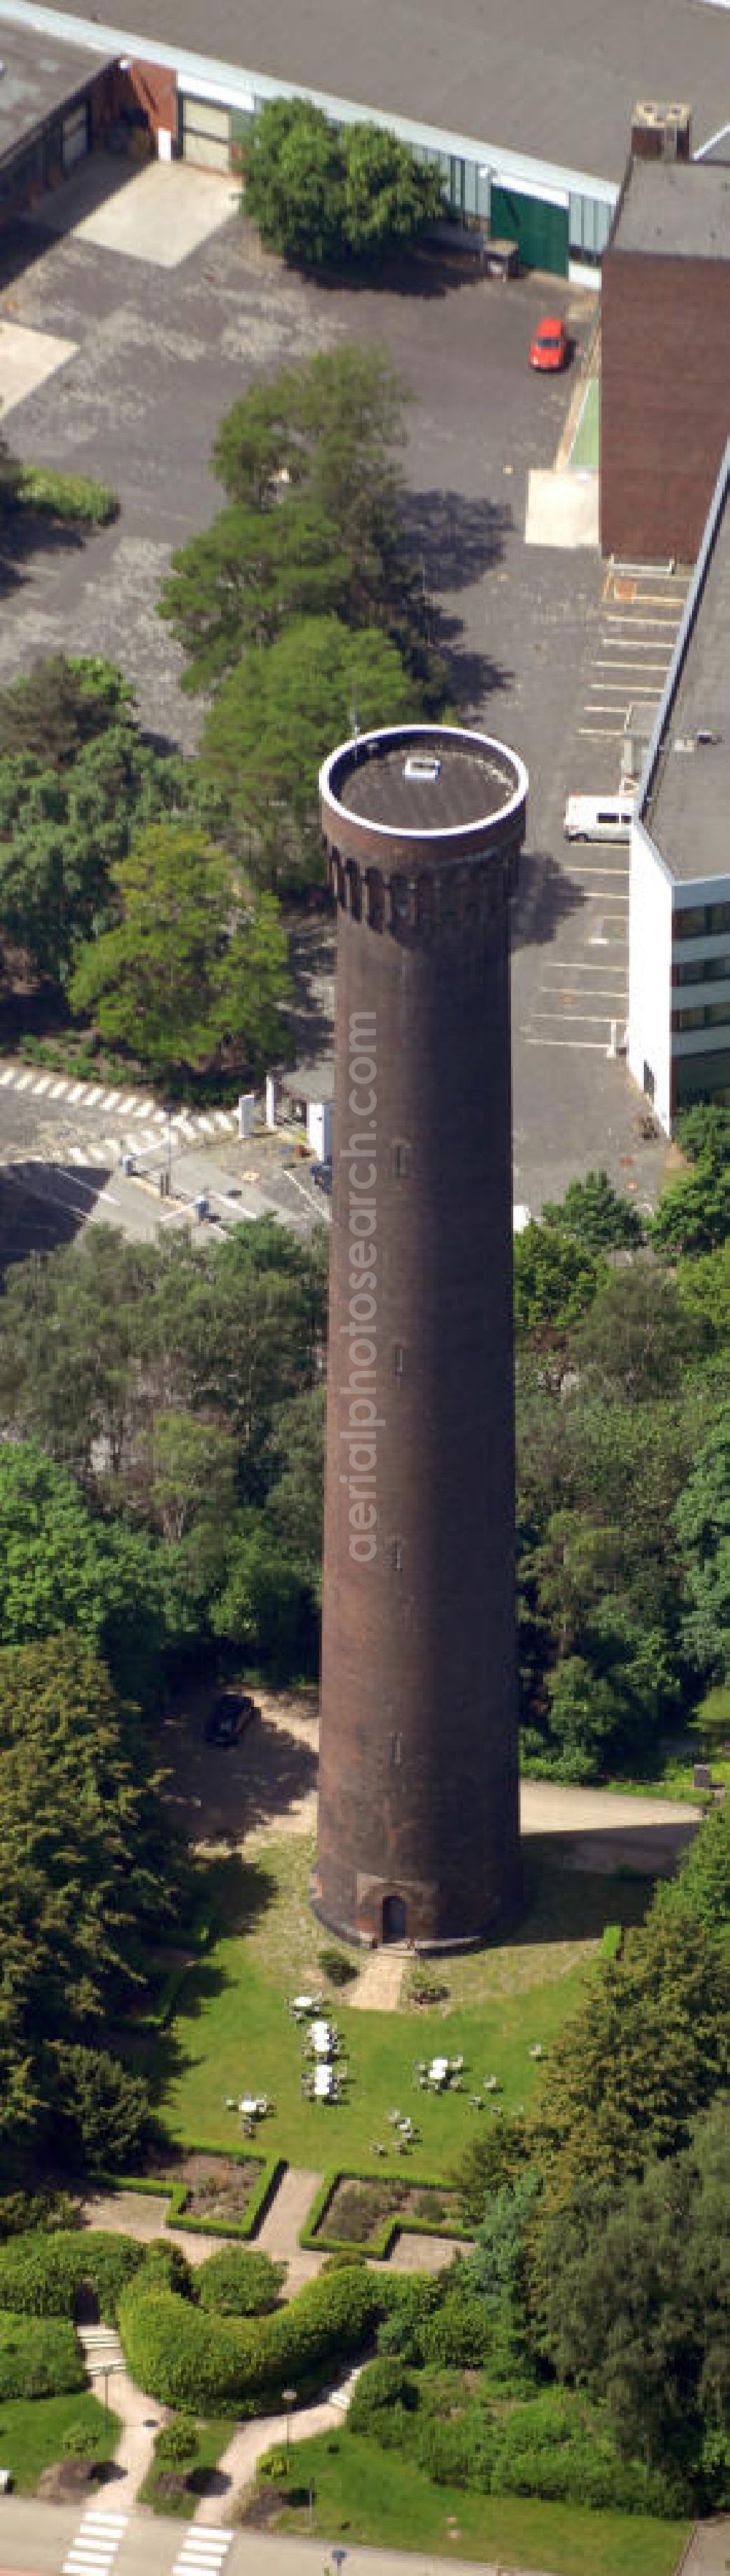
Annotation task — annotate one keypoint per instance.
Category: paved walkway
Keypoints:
(142, 2214)
(709, 2549)
(238, 2464)
(379, 1984)
(279, 2235)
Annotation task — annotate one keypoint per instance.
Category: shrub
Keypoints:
(166, 2267)
(338, 1969)
(403, 2329)
(459, 2333)
(383, 2404)
(457, 2451)
(41, 2275)
(81, 2441)
(22, 2212)
(361, 2209)
(178, 2441)
(66, 496)
(425, 1986)
(39, 2357)
(343, 2260)
(429, 2206)
(556, 2448)
(236, 2283)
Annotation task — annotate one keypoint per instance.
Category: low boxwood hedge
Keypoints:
(185, 2356)
(42, 2275)
(39, 2357)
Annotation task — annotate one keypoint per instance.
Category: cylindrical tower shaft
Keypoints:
(418, 1819)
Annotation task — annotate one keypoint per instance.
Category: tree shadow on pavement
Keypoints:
(545, 897)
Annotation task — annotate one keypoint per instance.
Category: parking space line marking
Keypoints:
(639, 688)
(602, 733)
(587, 1019)
(573, 992)
(586, 1046)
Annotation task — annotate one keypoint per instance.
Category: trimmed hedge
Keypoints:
(39, 2357)
(184, 2356)
(73, 497)
(397, 2222)
(41, 2275)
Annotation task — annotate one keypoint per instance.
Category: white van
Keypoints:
(599, 818)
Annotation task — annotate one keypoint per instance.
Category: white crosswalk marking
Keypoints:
(92, 1097)
(8, 1075)
(43, 1085)
(223, 1117)
(24, 1081)
(206, 1125)
(77, 1154)
(58, 1090)
(78, 1091)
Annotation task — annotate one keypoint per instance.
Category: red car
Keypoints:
(550, 347)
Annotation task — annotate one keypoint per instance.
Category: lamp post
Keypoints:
(289, 2399)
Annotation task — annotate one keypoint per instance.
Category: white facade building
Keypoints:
(679, 893)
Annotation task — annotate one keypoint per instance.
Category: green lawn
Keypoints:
(232, 2033)
(32, 2433)
(377, 2498)
(212, 2439)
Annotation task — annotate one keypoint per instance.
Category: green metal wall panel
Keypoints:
(540, 230)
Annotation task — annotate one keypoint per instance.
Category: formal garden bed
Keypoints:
(369, 2210)
(208, 2192)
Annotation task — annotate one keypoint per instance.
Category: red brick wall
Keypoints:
(665, 400)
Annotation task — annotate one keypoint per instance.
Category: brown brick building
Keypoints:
(665, 365)
(418, 1814)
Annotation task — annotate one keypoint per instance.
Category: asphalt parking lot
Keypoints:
(157, 355)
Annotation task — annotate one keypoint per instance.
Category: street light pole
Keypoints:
(289, 2399)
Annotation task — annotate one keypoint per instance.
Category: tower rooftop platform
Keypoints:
(423, 782)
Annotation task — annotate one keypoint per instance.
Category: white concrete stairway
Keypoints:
(101, 2349)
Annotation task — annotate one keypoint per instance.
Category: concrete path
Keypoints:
(142, 2214)
(239, 2462)
(141, 2419)
(709, 2549)
(379, 1984)
(279, 2235)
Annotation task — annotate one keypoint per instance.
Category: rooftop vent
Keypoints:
(423, 765)
(702, 740)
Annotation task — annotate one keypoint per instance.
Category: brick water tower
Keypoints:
(418, 1798)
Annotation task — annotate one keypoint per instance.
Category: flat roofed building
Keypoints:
(665, 358)
(53, 97)
(528, 112)
(679, 896)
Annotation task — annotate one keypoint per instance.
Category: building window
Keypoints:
(395, 1552)
(691, 923)
(400, 1161)
(396, 1752)
(397, 1359)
